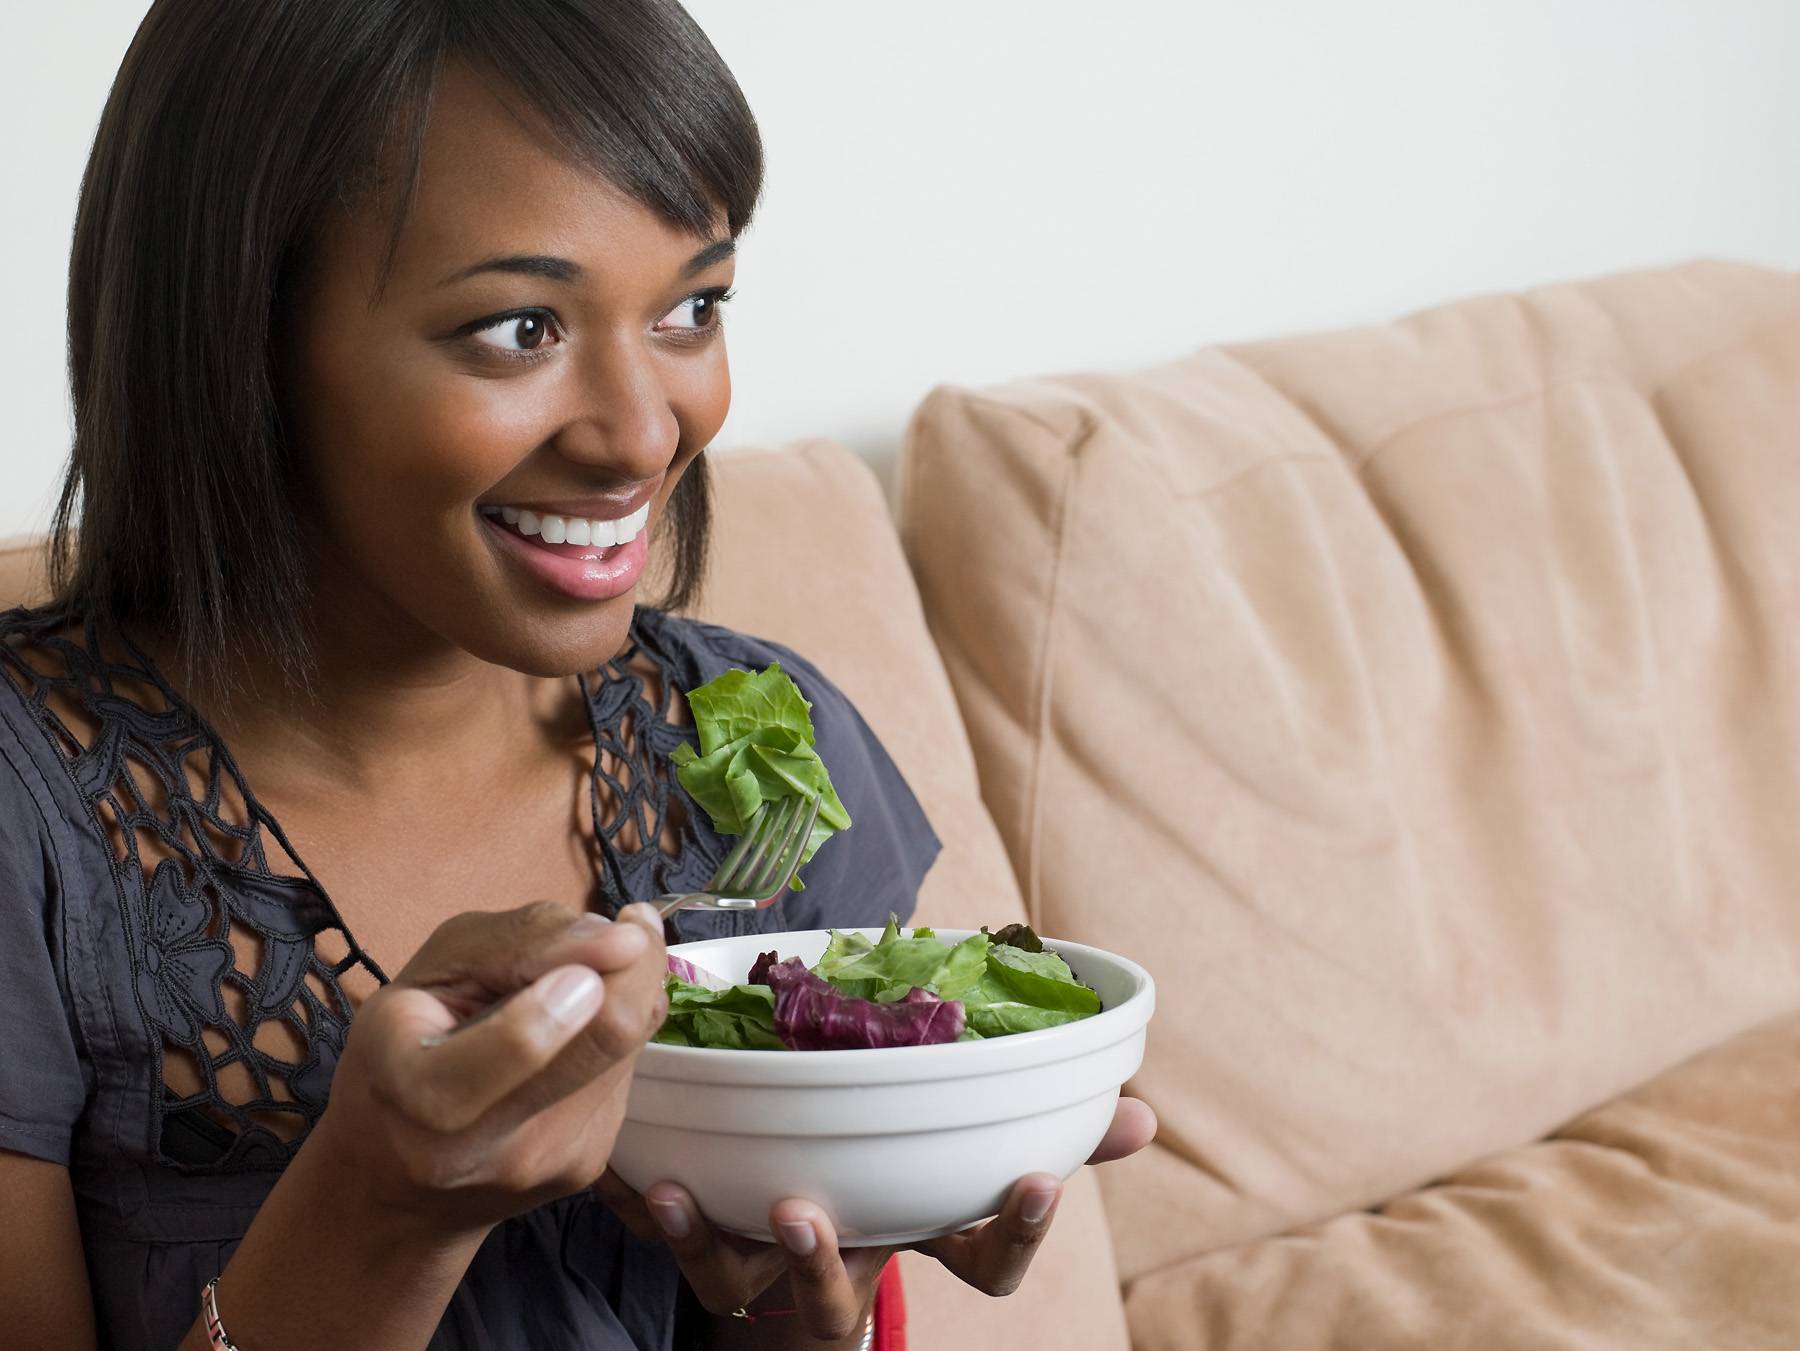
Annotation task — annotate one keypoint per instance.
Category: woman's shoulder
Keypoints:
(25, 793)
(44, 648)
(50, 665)
(32, 666)
(69, 715)
(42, 1090)
(29, 804)
(35, 623)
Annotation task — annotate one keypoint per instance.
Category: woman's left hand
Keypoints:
(831, 1288)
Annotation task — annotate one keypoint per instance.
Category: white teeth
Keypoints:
(632, 526)
(573, 529)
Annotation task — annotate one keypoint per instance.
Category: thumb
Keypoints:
(479, 956)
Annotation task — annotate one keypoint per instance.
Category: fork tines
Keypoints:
(775, 857)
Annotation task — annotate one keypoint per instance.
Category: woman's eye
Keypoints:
(516, 333)
(701, 311)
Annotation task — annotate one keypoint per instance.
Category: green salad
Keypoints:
(756, 746)
(905, 989)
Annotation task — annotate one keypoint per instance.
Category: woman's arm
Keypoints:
(388, 1279)
(321, 1269)
(44, 1296)
(487, 1078)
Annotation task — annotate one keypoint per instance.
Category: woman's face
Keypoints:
(475, 437)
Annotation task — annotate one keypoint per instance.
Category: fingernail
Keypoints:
(1036, 1205)
(572, 994)
(588, 923)
(629, 939)
(670, 1217)
(798, 1238)
(644, 914)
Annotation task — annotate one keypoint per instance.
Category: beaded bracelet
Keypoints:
(868, 1335)
(749, 1317)
(215, 1330)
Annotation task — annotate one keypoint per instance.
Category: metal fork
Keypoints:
(759, 866)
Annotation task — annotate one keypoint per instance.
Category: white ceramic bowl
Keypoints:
(897, 1144)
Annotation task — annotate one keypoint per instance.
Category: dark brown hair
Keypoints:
(232, 128)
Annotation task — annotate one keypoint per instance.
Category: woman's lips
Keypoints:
(578, 571)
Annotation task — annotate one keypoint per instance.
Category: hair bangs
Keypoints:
(636, 93)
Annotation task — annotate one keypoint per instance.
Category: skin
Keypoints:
(435, 653)
(408, 420)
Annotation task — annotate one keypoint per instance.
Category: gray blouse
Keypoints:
(131, 849)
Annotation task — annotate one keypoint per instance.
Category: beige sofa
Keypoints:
(1422, 704)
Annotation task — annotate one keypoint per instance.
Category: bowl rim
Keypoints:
(906, 1064)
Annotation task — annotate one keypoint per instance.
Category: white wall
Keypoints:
(971, 190)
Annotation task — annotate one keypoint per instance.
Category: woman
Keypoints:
(386, 316)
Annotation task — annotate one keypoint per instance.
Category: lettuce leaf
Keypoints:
(897, 991)
(756, 746)
(1022, 991)
(887, 970)
(738, 1018)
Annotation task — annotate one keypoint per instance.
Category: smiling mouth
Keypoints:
(577, 530)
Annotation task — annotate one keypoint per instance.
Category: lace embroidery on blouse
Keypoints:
(633, 740)
(242, 966)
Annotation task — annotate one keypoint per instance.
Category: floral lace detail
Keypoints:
(241, 967)
(633, 739)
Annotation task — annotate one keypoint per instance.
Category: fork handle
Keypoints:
(700, 900)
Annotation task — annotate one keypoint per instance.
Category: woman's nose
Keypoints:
(622, 420)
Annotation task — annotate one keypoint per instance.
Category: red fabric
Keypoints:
(890, 1311)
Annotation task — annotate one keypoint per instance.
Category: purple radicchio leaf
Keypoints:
(812, 1014)
(682, 969)
(759, 969)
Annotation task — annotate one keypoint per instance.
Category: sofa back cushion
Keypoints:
(1420, 702)
(21, 572)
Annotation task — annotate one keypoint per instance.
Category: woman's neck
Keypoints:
(387, 700)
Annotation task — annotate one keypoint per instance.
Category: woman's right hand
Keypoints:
(490, 1075)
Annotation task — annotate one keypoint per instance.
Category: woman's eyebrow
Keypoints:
(523, 264)
(562, 269)
(716, 252)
